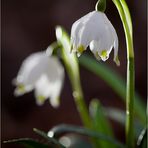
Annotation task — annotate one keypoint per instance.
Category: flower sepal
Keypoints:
(100, 5)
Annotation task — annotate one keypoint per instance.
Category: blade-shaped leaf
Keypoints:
(28, 143)
(100, 122)
(114, 81)
(52, 141)
(64, 128)
(119, 116)
(143, 139)
(115, 114)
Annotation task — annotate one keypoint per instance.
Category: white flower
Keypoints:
(96, 31)
(43, 73)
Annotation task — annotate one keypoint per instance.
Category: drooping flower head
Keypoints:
(43, 73)
(97, 32)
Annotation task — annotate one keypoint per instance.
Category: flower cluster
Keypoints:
(44, 73)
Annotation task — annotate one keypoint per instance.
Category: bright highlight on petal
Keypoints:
(97, 32)
(43, 73)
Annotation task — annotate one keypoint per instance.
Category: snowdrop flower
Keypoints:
(96, 31)
(43, 73)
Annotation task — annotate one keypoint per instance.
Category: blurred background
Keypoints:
(29, 26)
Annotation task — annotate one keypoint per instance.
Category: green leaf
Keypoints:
(115, 114)
(60, 129)
(52, 141)
(143, 139)
(28, 143)
(119, 116)
(100, 122)
(115, 81)
(75, 141)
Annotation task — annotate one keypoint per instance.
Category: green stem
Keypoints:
(72, 67)
(130, 104)
(79, 97)
(127, 24)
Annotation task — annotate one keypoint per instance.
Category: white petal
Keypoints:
(94, 47)
(56, 80)
(115, 40)
(49, 50)
(21, 90)
(105, 36)
(31, 69)
(78, 31)
(42, 89)
(50, 83)
(85, 35)
(75, 34)
(55, 93)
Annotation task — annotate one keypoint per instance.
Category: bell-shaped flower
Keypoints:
(97, 32)
(43, 73)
